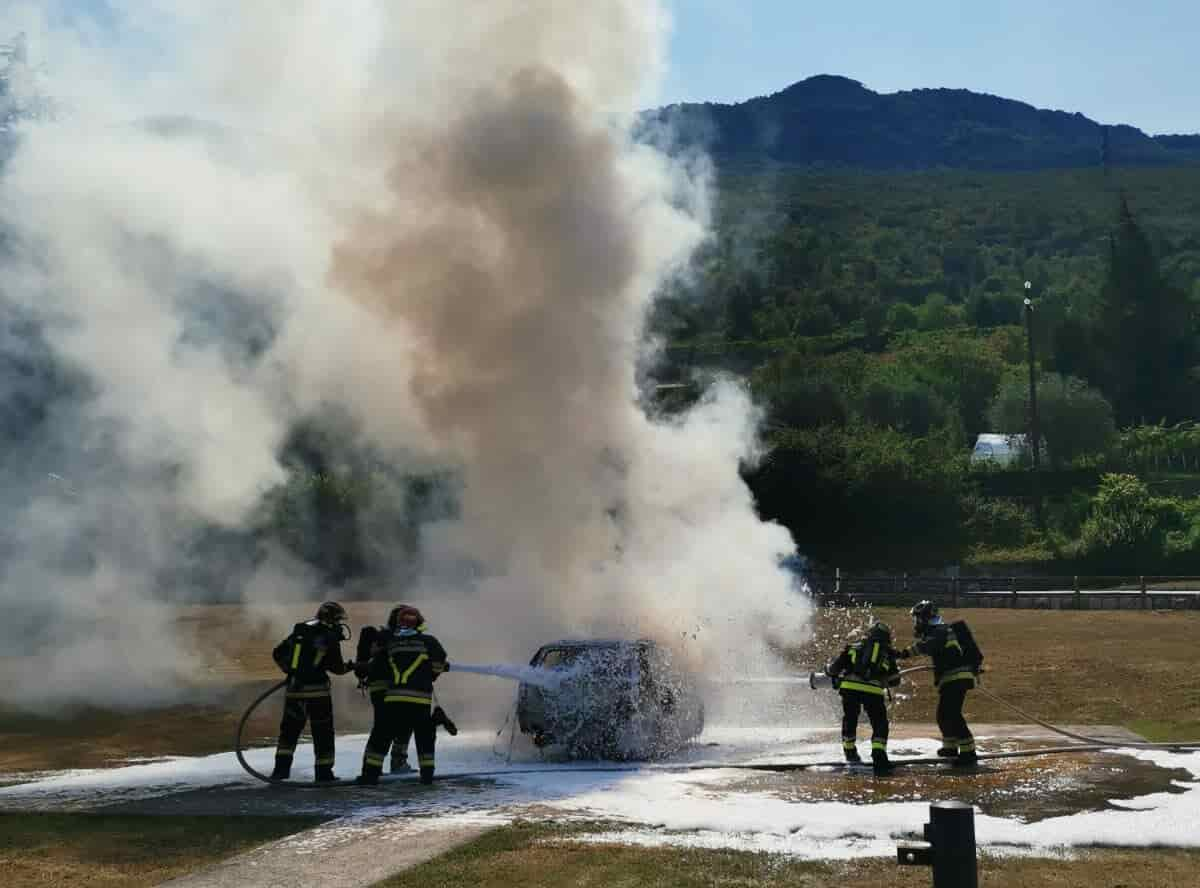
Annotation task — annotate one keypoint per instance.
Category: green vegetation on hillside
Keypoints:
(880, 319)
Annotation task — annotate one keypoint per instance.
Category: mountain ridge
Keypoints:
(832, 120)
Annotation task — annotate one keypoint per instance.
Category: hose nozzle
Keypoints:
(819, 680)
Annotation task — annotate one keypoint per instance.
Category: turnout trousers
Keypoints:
(956, 736)
(318, 713)
(398, 720)
(399, 743)
(853, 702)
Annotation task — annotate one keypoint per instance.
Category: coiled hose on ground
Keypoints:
(1087, 744)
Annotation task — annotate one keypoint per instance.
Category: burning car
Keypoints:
(610, 699)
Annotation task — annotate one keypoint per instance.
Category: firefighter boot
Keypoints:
(324, 774)
(949, 748)
(880, 762)
(283, 770)
(966, 752)
(850, 750)
(440, 718)
(427, 775)
(400, 763)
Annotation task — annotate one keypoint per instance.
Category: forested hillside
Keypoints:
(833, 121)
(880, 319)
(874, 305)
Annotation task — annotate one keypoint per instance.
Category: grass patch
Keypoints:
(541, 856)
(544, 856)
(1165, 732)
(101, 850)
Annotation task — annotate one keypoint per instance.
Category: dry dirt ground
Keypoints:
(1129, 668)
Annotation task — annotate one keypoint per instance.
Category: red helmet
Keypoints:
(405, 616)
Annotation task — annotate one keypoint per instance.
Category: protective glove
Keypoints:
(439, 717)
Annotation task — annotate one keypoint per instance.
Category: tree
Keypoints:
(899, 401)
(1072, 352)
(874, 317)
(936, 313)
(1075, 419)
(806, 402)
(1127, 527)
(901, 317)
(865, 497)
(1143, 331)
(965, 372)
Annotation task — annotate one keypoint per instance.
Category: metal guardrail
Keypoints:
(1043, 592)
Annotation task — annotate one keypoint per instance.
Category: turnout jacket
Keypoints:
(371, 668)
(954, 653)
(868, 666)
(308, 655)
(413, 661)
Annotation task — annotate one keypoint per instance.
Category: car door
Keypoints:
(531, 705)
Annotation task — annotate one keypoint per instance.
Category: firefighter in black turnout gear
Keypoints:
(308, 655)
(862, 673)
(374, 676)
(956, 663)
(413, 662)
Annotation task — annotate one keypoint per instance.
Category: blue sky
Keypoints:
(1116, 62)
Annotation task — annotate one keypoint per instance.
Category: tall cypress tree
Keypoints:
(1143, 332)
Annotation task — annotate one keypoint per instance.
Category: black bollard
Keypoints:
(949, 846)
(952, 834)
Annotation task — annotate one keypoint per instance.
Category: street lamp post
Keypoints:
(1034, 437)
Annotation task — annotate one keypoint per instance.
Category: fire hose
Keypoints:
(237, 738)
(1086, 744)
(1083, 738)
(238, 746)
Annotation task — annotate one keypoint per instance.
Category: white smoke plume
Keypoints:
(430, 215)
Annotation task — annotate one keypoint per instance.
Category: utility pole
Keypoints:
(1034, 437)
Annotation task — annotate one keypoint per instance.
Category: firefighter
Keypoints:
(308, 655)
(373, 674)
(414, 661)
(862, 673)
(956, 663)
